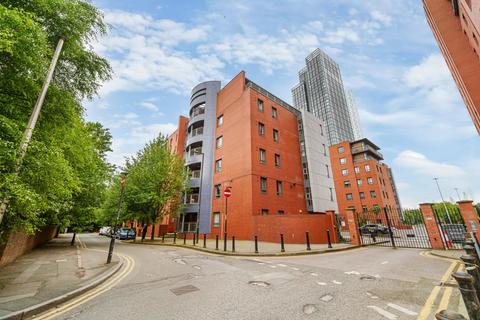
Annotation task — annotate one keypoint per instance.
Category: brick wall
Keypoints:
(18, 243)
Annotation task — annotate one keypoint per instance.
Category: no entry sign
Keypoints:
(227, 193)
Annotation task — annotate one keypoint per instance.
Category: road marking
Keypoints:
(402, 309)
(293, 268)
(427, 307)
(261, 263)
(281, 265)
(371, 295)
(321, 283)
(272, 266)
(384, 262)
(384, 313)
(352, 272)
(336, 282)
(445, 299)
(314, 274)
(104, 287)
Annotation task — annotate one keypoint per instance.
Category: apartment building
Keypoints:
(456, 27)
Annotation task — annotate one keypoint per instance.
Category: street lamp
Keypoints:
(443, 201)
(112, 240)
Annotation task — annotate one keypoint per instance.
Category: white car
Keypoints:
(105, 231)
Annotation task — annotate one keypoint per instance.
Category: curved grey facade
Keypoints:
(199, 151)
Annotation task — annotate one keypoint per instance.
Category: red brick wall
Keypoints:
(19, 243)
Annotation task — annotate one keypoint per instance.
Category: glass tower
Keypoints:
(320, 91)
(353, 113)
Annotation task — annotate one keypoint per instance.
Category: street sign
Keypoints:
(227, 193)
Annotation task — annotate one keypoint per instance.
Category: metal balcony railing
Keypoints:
(196, 174)
(363, 148)
(196, 132)
(198, 111)
(192, 198)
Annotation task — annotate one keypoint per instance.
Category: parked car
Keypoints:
(455, 232)
(105, 231)
(126, 234)
(374, 228)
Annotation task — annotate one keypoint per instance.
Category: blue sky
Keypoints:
(407, 99)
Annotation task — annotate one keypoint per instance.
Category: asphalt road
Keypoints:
(176, 283)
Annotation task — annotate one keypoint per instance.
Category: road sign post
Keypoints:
(227, 193)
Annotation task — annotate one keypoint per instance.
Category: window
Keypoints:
(277, 160)
(328, 171)
(260, 105)
(324, 149)
(369, 180)
(343, 160)
(364, 209)
(263, 184)
(341, 149)
(216, 219)
(264, 212)
(359, 182)
(279, 188)
(344, 172)
(280, 212)
(331, 194)
(262, 155)
(218, 191)
(357, 170)
(218, 165)
(275, 135)
(220, 120)
(261, 129)
(346, 184)
(373, 195)
(362, 195)
(274, 113)
(349, 196)
(367, 168)
(219, 142)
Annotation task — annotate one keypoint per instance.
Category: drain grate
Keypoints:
(183, 290)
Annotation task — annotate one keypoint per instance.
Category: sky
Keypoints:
(407, 99)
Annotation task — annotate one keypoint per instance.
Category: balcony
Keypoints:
(195, 174)
(188, 227)
(367, 148)
(192, 198)
(196, 132)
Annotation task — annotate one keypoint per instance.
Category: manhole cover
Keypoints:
(326, 298)
(309, 308)
(183, 290)
(259, 283)
(367, 277)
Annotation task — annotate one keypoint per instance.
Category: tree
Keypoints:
(66, 154)
(412, 216)
(156, 179)
(453, 211)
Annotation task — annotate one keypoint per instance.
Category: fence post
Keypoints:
(256, 244)
(307, 235)
(163, 238)
(449, 315)
(469, 216)
(225, 241)
(282, 244)
(204, 240)
(389, 227)
(233, 243)
(465, 282)
(470, 250)
(194, 240)
(431, 224)
(472, 269)
(328, 239)
(353, 227)
(184, 238)
(174, 237)
(216, 242)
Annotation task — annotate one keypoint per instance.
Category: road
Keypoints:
(177, 283)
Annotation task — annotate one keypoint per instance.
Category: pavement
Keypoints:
(48, 272)
(449, 254)
(245, 247)
(177, 283)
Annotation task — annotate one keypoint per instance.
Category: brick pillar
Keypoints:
(432, 227)
(469, 216)
(353, 227)
(333, 229)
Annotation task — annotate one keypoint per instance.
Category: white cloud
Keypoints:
(421, 165)
(130, 115)
(381, 17)
(149, 106)
(430, 73)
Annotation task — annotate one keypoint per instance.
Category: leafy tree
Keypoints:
(412, 216)
(453, 211)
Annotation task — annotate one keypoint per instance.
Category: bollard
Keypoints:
(163, 238)
(184, 238)
(233, 243)
(194, 240)
(256, 244)
(374, 236)
(282, 244)
(307, 235)
(469, 295)
(328, 239)
(216, 242)
(470, 250)
(225, 241)
(472, 270)
(204, 240)
(196, 235)
(174, 238)
(449, 315)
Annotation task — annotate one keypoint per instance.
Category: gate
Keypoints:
(392, 227)
(343, 232)
(451, 226)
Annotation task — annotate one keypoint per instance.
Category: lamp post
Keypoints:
(443, 201)
(112, 240)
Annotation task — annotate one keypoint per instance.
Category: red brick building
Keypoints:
(362, 181)
(456, 27)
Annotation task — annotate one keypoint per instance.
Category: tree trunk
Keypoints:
(144, 232)
(152, 236)
(57, 231)
(73, 239)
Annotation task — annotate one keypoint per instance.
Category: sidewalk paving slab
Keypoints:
(48, 272)
(449, 254)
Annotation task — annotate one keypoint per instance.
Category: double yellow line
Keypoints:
(128, 265)
(428, 306)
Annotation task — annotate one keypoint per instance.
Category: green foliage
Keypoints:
(412, 216)
(63, 175)
(453, 211)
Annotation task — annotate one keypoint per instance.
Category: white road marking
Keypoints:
(296, 269)
(384, 313)
(314, 274)
(281, 265)
(384, 262)
(352, 272)
(61, 260)
(371, 295)
(336, 282)
(321, 283)
(261, 263)
(402, 309)
(272, 266)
